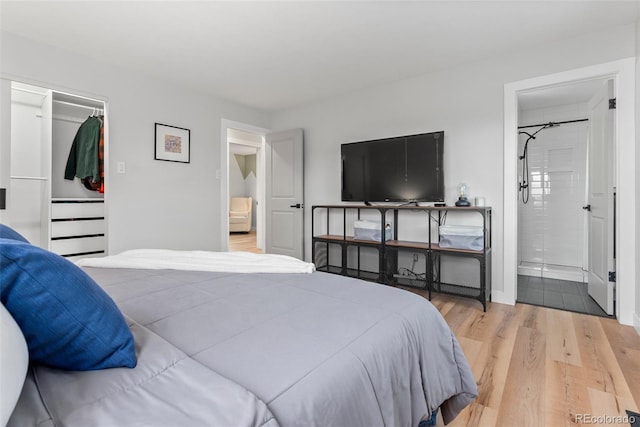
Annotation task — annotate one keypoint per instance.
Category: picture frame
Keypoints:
(172, 143)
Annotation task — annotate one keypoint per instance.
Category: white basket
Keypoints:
(462, 237)
(369, 230)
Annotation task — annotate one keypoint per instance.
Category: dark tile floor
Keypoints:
(560, 294)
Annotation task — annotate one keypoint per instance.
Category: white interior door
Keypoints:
(600, 198)
(285, 193)
(5, 143)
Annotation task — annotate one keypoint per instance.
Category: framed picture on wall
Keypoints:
(172, 143)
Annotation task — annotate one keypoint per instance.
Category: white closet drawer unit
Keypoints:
(77, 228)
(69, 210)
(80, 245)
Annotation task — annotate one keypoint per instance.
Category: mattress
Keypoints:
(261, 349)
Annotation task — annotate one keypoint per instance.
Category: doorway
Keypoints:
(622, 72)
(553, 181)
(244, 150)
(280, 177)
(245, 185)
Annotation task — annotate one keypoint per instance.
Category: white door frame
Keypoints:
(224, 180)
(623, 72)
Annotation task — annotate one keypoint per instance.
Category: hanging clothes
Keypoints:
(101, 155)
(84, 159)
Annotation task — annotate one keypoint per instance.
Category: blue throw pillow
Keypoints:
(7, 232)
(69, 322)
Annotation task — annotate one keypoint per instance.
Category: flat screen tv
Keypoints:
(399, 169)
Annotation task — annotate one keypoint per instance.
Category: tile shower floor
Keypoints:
(560, 294)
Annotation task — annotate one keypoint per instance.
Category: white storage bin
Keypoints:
(369, 230)
(462, 237)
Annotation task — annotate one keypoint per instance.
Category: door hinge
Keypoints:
(612, 104)
(612, 276)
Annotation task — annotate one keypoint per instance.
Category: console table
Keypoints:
(388, 250)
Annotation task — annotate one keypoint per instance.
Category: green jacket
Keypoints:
(83, 157)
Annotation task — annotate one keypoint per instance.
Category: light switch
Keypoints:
(121, 167)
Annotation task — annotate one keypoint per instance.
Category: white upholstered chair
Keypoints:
(240, 214)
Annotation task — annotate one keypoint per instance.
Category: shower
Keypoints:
(553, 176)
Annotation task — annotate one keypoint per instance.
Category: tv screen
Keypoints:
(399, 169)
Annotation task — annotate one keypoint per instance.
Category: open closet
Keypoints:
(65, 216)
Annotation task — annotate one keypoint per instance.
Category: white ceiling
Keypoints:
(243, 150)
(275, 55)
(574, 93)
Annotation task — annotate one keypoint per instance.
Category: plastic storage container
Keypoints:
(369, 230)
(462, 237)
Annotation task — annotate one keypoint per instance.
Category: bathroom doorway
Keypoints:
(557, 172)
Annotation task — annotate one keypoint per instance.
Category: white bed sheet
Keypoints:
(231, 262)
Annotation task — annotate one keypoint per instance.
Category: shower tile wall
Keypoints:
(552, 224)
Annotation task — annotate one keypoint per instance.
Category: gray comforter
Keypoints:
(228, 349)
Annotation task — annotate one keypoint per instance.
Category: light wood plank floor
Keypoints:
(245, 242)
(538, 366)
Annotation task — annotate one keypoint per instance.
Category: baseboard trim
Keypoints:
(636, 322)
(500, 297)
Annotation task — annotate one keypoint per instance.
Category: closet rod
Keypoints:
(555, 123)
(77, 105)
(63, 119)
(31, 178)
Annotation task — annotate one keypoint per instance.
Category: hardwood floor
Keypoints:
(245, 242)
(538, 366)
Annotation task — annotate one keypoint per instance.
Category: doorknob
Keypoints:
(587, 208)
(297, 206)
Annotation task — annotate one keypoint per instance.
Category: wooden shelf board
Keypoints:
(407, 244)
(408, 208)
(397, 244)
(436, 247)
(347, 239)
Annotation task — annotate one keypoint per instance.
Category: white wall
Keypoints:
(154, 204)
(236, 180)
(466, 102)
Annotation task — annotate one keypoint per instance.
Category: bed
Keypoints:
(258, 344)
